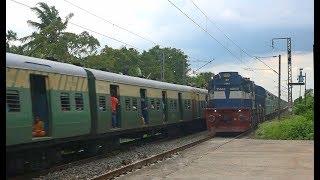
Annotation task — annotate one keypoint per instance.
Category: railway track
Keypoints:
(160, 157)
(111, 172)
(74, 161)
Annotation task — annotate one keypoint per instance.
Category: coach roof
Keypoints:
(25, 62)
(113, 77)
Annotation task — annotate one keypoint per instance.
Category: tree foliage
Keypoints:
(201, 80)
(51, 40)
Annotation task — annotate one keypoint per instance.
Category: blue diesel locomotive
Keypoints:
(237, 104)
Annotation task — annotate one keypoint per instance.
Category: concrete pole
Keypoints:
(162, 67)
(305, 88)
(279, 87)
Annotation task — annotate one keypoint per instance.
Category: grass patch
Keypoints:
(295, 127)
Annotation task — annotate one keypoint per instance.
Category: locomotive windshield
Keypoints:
(230, 90)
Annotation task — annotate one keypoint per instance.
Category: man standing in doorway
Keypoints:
(114, 105)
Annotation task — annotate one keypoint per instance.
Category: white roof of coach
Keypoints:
(113, 77)
(25, 62)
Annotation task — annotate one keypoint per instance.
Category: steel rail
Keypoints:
(159, 157)
(149, 160)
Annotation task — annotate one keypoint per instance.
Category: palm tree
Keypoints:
(48, 16)
(51, 40)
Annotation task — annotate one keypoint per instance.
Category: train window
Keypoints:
(79, 101)
(175, 105)
(189, 104)
(186, 104)
(102, 103)
(152, 103)
(134, 104)
(158, 104)
(13, 101)
(65, 101)
(171, 105)
(127, 103)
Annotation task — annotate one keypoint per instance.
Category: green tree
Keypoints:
(51, 40)
(11, 37)
(201, 80)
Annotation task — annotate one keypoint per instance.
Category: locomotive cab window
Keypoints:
(13, 101)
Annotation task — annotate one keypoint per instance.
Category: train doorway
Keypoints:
(164, 106)
(40, 109)
(180, 105)
(115, 106)
(144, 106)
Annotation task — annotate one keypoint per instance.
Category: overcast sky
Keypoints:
(251, 24)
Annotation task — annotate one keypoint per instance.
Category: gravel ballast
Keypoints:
(101, 166)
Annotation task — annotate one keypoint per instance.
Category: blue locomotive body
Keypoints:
(236, 104)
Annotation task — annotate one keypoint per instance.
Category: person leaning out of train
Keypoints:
(114, 104)
(38, 130)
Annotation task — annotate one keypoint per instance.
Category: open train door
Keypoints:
(164, 106)
(40, 105)
(114, 91)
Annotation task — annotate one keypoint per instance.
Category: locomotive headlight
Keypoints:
(239, 110)
(215, 110)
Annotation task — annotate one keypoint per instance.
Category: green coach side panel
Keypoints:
(155, 112)
(73, 122)
(129, 92)
(18, 115)
(63, 82)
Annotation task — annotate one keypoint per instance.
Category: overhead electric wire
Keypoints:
(230, 38)
(120, 41)
(205, 31)
(203, 66)
(120, 27)
(108, 21)
(80, 26)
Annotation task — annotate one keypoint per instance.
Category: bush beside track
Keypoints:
(299, 126)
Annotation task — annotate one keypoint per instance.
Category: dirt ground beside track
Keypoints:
(242, 159)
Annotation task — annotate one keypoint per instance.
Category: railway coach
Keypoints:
(74, 105)
(237, 104)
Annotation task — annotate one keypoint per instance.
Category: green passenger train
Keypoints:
(74, 104)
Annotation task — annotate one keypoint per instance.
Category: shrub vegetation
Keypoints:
(298, 126)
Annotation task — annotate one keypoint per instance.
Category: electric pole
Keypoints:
(279, 87)
(305, 88)
(289, 70)
(162, 70)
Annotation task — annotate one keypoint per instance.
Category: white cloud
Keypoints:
(162, 23)
(267, 78)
